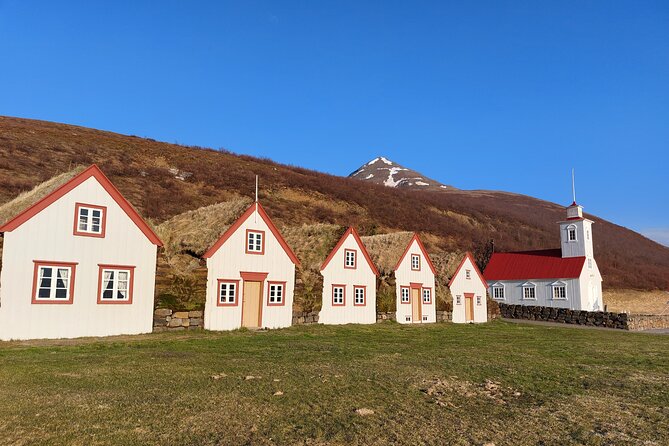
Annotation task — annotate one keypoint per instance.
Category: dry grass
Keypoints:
(639, 302)
(24, 200)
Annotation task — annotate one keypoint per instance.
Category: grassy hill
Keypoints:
(167, 181)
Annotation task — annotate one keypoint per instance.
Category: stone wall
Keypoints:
(305, 317)
(566, 316)
(385, 316)
(444, 316)
(165, 319)
(647, 321)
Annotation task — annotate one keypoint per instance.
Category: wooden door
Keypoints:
(252, 304)
(416, 313)
(469, 307)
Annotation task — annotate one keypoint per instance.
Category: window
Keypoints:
(255, 242)
(115, 284)
(227, 292)
(338, 294)
(479, 301)
(415, 262)
(349, 258)
(275, 293)
(53, 282)
(498, 292)
(359, 295)
(427, 295)
(589, 263)
(571, 231)
(529, 292)
(458, 300)
(559, 292)
(468, 274)
(404, 294)
(89, 220)
(587, 234)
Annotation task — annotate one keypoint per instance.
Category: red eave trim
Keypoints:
(469, 256)
(356, 236)
(422, 248)
(92, 171)
(231, 230)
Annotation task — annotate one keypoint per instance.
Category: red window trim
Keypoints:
(283, 295)
(355, 259)
(364, 290)
(262, 245)
(253, 276)
(103, 223)
(218, 292)
(39, 263)
(422, 299)
(336, 285)
(131, 284)
(411, 262)
(409, 291)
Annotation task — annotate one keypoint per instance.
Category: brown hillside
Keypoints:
(163, 180)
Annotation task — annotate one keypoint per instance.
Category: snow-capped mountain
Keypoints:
(383, 171)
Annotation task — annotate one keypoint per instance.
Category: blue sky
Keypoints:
(480, 95)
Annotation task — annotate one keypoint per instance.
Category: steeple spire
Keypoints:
(573, 186)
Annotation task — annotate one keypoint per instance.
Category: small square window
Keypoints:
(498, 292)
(468, 274)
(529, 292)
(349, 258)
(276, 291)
(559, 292)
(404, 292)
(359, 295)
(479, 301)
(227, 292)
(458, 300)
(90, 220)
(427, 296)
(53, 283)
(116, 284)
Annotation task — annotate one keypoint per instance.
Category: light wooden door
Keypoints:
(251, 304)
(416, 314)
(469, 307)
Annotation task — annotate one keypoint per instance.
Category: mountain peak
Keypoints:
(381, 170)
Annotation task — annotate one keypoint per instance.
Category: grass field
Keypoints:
(511, 384)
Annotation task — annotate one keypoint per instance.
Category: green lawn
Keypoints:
(435, 384)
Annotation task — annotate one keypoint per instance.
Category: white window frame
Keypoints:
(338, 299)
(468, 274)
(53, 288)
(230, 286)
(589, 263)
(498, 287)
(555, 287)
(115, 285)
(255, 241)
(529, 287)
(405, 292)
(458, 300)
(276, 291)
(357, 292)
(415, 257)
(571, 228)
(350, 261)
(89, 223)
(479, 301)
(427, 292)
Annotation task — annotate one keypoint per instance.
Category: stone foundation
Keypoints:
(165, 319)
(385, 316)
(305, 317)
(565, 316)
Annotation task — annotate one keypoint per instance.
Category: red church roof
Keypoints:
(528, 265)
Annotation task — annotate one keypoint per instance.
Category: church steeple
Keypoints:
(576, 230)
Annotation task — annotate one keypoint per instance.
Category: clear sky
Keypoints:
(480, 95)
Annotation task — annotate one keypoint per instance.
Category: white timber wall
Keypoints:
(49, 236)
(513, 293)
(404, 276)
(362, 275)
(461, 285)
(230, 260)
(591, 288)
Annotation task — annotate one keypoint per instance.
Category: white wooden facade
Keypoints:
(69, 272)
(469, 290)
(415, 291)
(563, 278)
(349, 283)
(251, 276)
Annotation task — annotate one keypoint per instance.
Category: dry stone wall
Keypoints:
(566, 316)
(165, 319)
(647, 321)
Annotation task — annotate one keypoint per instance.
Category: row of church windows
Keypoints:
(558, 291)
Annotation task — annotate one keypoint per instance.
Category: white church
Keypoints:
(562, 278)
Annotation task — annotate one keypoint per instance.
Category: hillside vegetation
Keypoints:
(166, 181)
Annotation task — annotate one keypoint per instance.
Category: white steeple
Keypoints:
(576, 231)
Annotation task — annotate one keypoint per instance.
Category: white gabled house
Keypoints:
(251, 275)
(469, 290)
(349, 283)
(559, 278)
(414, 277)
(78, 262)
